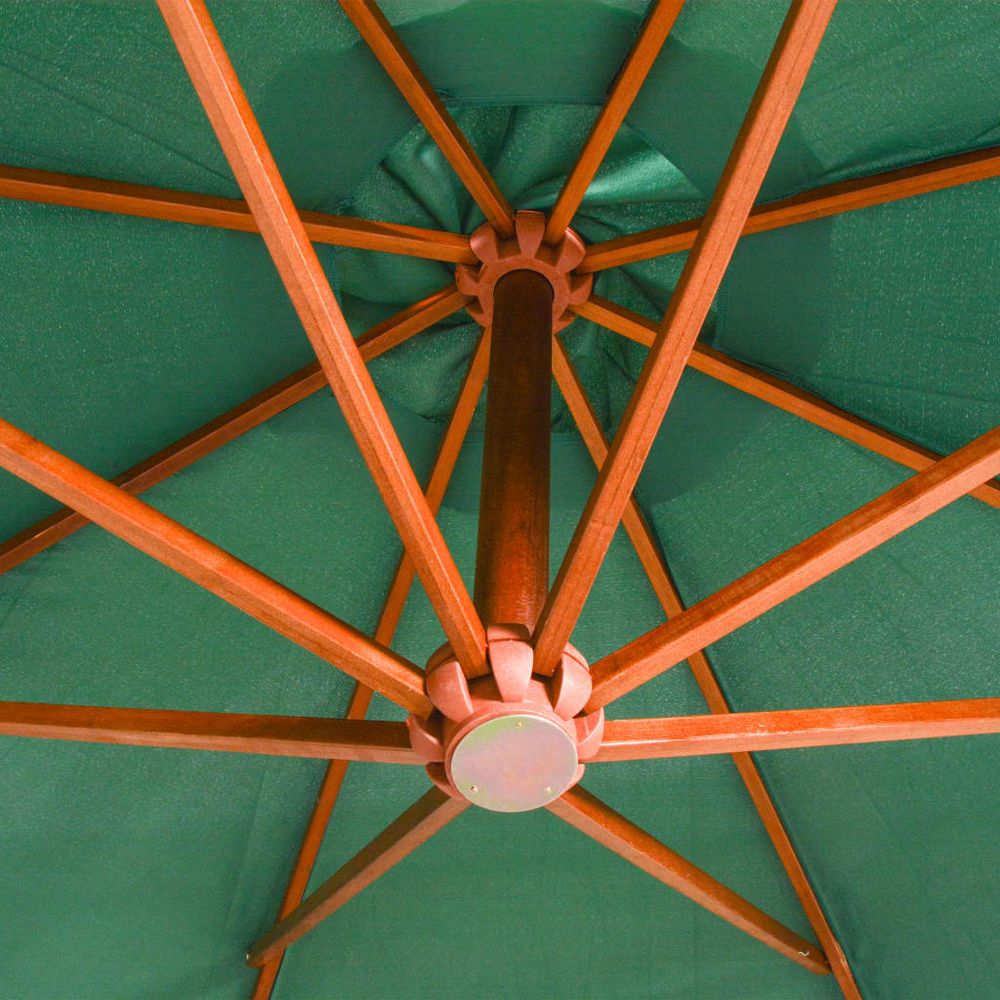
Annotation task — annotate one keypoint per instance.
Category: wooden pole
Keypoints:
(512, 559)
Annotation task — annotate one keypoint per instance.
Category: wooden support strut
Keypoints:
(326, 799)
(215, 81)
(591, 816)
(512, 558)
(755, 146)
(796, 569)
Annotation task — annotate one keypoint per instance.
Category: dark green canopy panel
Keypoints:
(145, 873)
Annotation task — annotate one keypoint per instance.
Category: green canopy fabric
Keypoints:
(141, 873)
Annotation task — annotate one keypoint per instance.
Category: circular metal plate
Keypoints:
(514, 763)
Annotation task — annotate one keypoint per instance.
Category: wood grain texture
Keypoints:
(401, 68)
(231, 117)
(624, 89)
(819, 203)
(600, 822)
(271, 735)
(416, 826)
(750, 732)
(98, 195)
(793, 571)
(655, 566)
(512, 554)
(780, 393)
(755, 145)
(232, 424)
(212, 568)
(444, 465)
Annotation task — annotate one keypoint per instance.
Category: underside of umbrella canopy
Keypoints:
(666, 328)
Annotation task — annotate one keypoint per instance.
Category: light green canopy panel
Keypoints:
(140, 873)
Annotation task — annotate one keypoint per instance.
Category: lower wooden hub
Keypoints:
(510, 740)
(513, 763)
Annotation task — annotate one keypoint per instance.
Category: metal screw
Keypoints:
(518, 724)
(473, 789)
(548, 789)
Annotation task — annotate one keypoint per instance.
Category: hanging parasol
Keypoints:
(755, 246)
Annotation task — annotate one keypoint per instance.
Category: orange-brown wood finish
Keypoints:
(589, 815)
(818, 203)
(512, 556)
(772, 104)
(231, 117)
(795, 570)
(779, 393)
(98, 195)
(626, 86)
(212, 568)
(326, 800)
(387, 48)
(233, 423)
(273, 735)
(746, 732)
(654, 564)
(414, 827)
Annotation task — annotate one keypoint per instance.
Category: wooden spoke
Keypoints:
(414, 827)
(232, 424)
(234, 123)
(798, 568)
(831, 199)
(755, 145)
(99, 195)
(389, 50)
(272, 735)
(326, 800)
(779, 393)
(600, 822)
(623, 92)
(211, 567)
(653, 563)
(744, 732)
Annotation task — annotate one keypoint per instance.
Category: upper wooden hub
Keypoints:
(526, 251)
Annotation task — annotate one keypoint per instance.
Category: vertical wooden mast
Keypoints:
(512, 559)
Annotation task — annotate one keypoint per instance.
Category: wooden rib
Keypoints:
(212, 568)
(416, 89)
(414, 827)
(626, 86)
(755, 145)
(654, 564)
(746, 732)
(831, 199)
(232, 424)
(797, 569)
(271, 735)
(98, 195)
(591, 816)
(779, 393)
(326, 800)
(234, 123)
